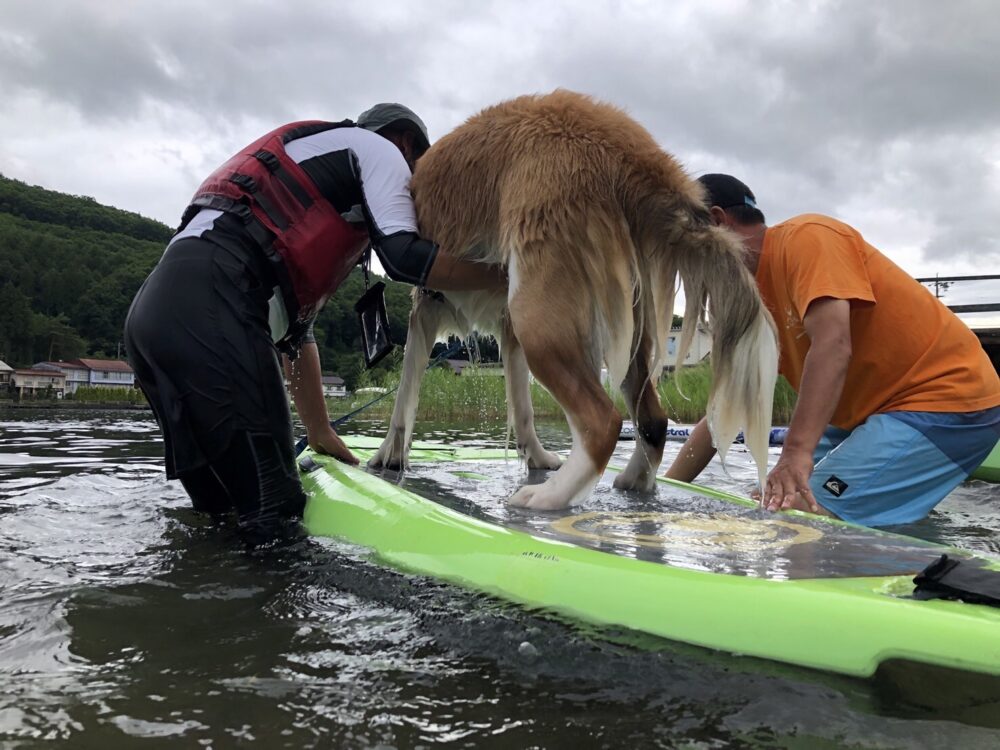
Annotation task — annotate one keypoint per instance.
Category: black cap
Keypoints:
(391, 113)
(725, 191)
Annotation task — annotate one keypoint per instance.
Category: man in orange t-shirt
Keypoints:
(898, 402)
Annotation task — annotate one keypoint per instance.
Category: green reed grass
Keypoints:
(684, 395)
(94, 394)
(477, 396)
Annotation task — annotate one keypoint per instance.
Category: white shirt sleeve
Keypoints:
(384, 174)
(385, 183)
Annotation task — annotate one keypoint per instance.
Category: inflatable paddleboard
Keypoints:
(681, 432)
(688, 564)
(989, 471)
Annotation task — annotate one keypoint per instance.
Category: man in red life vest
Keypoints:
(264, 242)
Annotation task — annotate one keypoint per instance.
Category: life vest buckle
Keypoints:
(245, 181)
(243, 211)
(268, 159)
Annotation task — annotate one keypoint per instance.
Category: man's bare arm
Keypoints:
(305, 378)
(451, 274)
(694, 455)
(828, 325)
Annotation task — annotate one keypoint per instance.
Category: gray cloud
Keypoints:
(111, 61)
(817, 104)
(884, 114)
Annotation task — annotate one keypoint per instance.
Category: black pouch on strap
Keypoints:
(964, 580)
(376, 341)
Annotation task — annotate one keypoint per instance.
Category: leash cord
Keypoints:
(304, 440)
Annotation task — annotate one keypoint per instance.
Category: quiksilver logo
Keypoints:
(835, 486)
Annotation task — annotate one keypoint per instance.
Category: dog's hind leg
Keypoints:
(515, 368)
(426, 318)
(557, 334)
(650, 423)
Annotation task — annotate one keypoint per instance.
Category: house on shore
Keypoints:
(76, 374)
(108, 373)
(95, 373)
(701, 347)
(333, 386)
(31, 382)
(6, 372)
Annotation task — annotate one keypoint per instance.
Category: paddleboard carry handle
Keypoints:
(307, 465)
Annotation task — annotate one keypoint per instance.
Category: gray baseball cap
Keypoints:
(387, 113)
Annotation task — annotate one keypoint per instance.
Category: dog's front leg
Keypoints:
(425, 321)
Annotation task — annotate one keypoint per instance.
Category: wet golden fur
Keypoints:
(595, 222)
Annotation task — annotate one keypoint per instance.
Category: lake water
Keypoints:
(126, 620)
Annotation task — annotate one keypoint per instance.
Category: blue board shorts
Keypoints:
(894, 467)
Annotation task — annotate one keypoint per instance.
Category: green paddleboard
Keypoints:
(989, 470)
(688, 563)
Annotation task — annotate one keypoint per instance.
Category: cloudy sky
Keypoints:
(884, 114)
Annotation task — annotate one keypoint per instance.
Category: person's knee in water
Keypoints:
(251, 478)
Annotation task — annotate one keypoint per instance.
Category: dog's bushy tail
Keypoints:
(744, 346)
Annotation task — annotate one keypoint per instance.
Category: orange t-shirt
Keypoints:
(909, 351)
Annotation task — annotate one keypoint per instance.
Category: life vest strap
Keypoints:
(249, 185)
(274, 166)
(221, 203)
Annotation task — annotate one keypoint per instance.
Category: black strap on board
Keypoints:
(965, 580)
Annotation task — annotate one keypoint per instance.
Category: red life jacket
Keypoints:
(310, 245)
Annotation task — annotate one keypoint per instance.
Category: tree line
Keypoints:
(69, 268)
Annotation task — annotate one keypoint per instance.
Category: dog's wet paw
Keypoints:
(392, 454)
(543, 459)
(390, 462)
(538, 497)
(641, 482)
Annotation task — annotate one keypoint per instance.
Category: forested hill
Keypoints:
(76, 212)
(69, 268)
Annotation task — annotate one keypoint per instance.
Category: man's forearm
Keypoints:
(823, 374)
(694, 455)
(451, 274)
(305, 378)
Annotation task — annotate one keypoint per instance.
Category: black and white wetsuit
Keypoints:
(201, 331)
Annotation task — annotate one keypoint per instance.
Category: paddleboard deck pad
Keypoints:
(676, 526)
(685, 563)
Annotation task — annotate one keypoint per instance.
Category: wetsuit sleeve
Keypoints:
(391, 215)
(406, 257)
(309, 337)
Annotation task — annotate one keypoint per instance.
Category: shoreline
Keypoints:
(73, 405)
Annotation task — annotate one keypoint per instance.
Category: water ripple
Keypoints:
(126, 618)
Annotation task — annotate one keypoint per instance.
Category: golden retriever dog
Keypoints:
(595, 223)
